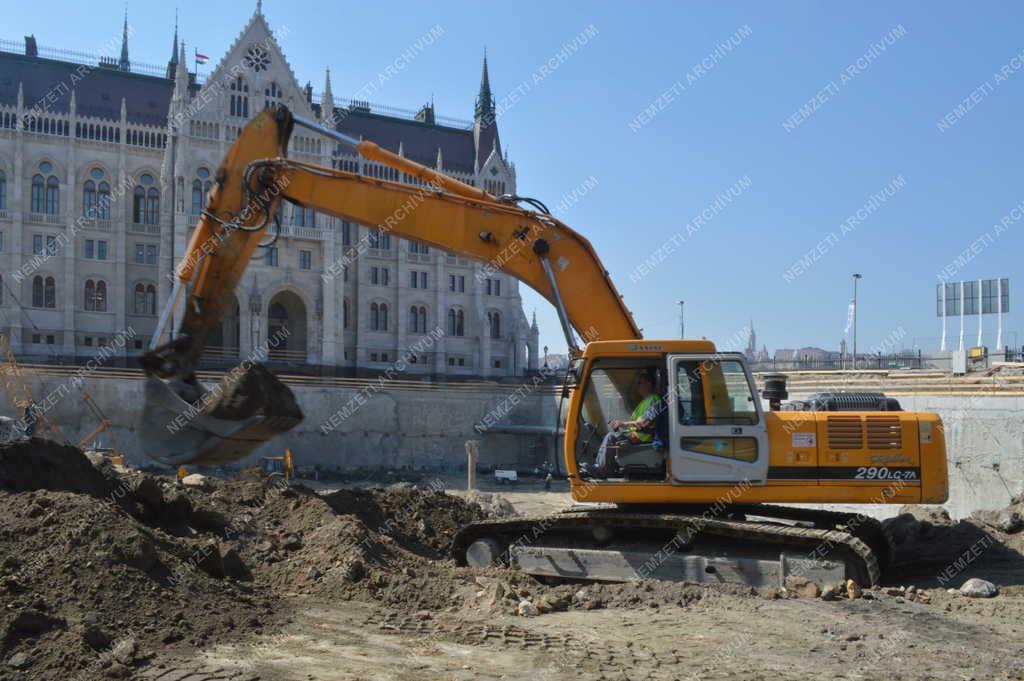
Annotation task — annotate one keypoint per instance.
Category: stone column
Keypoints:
(333, 293)
(70, 293)
(17, 205)
(440, 313)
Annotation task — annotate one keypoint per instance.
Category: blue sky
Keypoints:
(660, 111)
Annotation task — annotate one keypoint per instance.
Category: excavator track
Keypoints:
(758, 553)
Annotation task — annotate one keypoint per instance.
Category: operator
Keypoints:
(639, 429)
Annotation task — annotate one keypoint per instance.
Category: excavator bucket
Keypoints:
(184, 425)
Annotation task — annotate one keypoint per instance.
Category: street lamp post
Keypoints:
(855, 278)
(682, 320)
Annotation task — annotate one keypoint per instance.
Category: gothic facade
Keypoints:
(104, 169)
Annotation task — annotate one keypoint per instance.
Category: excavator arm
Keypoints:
(185, 423)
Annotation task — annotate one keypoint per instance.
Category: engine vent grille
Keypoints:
(845, 432)
(884, 432)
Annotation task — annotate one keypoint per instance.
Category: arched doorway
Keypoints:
(224, 339)
(286, 328)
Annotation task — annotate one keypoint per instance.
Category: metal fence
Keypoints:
(878, 361)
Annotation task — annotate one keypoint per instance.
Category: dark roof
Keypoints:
(420, 141)
(98, 90)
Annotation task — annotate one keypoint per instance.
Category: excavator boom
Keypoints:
(184, 423)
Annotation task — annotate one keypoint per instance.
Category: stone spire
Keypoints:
(440, 160)
(484, 99)
(124, 64)
(181, 76)
(327, 101)
(485, 126)
(172, 65)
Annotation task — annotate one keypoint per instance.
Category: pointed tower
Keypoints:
(124, 64)
(327, 102)
(172, 65)
(485, 126)
(532, 346)
(180, 76)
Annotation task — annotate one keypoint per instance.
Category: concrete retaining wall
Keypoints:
(423, 428)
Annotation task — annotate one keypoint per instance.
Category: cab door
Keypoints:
(716, 425)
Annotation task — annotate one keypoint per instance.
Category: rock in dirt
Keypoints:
(31, 622)
(291, 542)
(978, 588)
(136, 551)
(527, 609)
(208, 559)
(124, 651)
(195, 480)
(552, 603)
(853, 590)
(833, 592)
(1008, 520)
(802, 587)
(93, 633)
(494, 505)
(18, 661)
(232, 565)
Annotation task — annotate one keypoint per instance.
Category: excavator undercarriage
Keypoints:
(750, 544)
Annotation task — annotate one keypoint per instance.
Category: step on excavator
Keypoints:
(693, 488)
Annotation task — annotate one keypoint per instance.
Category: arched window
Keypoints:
(383, 317)
(152, 206)
(145, 299)
(103, 201)
(140, 299)
(89, 199)
(200, 190)
(38, 193)
(456, 322)
(145, 201)
(90, 295)
(3, 190)
(239, 101)
(50, 292)
(139, 205)
(101, 296)
(345, 313)
(37, 291)
(374, 317)
(414, 320)
(495, 319)
(52, 196)
(423, 320)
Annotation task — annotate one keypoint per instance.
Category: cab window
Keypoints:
(713, 393)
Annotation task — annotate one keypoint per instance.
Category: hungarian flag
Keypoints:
(201, 58)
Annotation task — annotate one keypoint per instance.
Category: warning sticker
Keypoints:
(803, 440)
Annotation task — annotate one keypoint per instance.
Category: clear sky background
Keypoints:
(571, 128)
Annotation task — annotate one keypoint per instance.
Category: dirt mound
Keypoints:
(932, 550)
(41, 464)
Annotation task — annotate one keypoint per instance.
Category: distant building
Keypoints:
(104, 169)
(751, 352)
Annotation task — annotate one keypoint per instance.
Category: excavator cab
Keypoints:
(709, 425)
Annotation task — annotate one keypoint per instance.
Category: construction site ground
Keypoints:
(110, 573)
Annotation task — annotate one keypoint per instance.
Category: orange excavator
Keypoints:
(690, 488)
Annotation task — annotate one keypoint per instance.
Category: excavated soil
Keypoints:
(115, 574)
